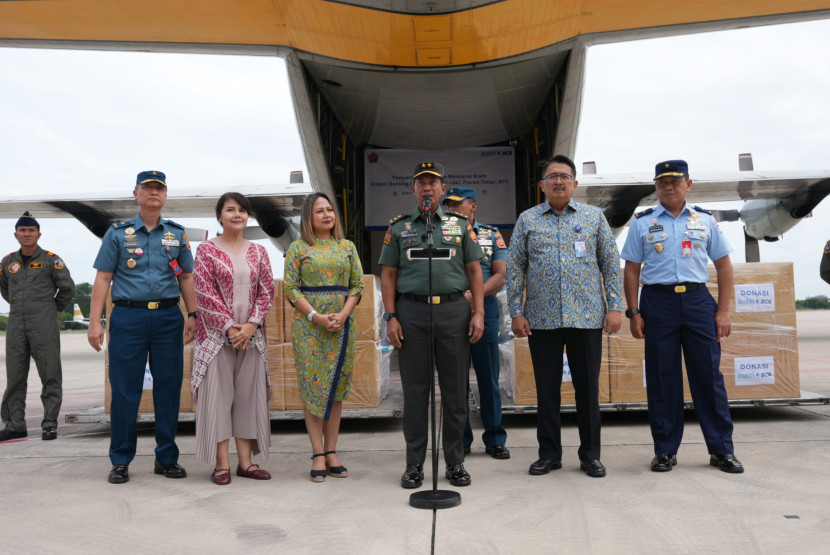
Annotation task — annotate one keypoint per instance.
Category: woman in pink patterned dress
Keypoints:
(324, 281)
(231, 385)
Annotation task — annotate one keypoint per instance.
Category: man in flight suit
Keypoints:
(37, 285)
(149, 263)
(485, 353)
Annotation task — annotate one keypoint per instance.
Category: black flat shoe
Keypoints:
(119, 474)
(171, 470)
(6, 435)
(336, 471)
(318, 475)
(413, 476)
(592, 467)
(727, 463)
(543, 466)
(457, 475)
(497, 452)
(663, 462)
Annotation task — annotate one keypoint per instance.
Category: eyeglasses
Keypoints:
(564, 177)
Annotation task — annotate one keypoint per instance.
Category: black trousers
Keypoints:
(584, 354)
(452, 360)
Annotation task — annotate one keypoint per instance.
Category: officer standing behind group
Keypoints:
(149, 263)
(563, 255)
(675, 310)
(37, 285)
(824, 269)
(485, 353)
(405, 290)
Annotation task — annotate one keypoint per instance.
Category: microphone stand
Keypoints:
(434, 499)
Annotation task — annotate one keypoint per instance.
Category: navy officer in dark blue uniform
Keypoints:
(149, 263)
(485, 352)
(674, 242)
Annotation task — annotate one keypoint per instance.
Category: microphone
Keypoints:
(427, 205)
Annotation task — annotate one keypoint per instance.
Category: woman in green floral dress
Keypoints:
(324, 281)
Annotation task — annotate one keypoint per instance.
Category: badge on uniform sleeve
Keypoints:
(827, 247)
(387, 237)
(686, 249)
(58, 264)
(14, 267)
(500, 241)
(176, 268)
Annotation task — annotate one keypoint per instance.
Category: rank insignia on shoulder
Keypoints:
(396, 218)
(644, 213)
(703, 210)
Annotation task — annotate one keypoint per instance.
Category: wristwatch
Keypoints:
(388, 316)
(310, 315)
(194, 314)
(630, 312)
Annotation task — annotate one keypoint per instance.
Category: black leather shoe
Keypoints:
(119, 474)
(497, 452)
(49, 434)
(727, 463)
(592, 467)
(467, 450)
(413, 476)
(663, 462)
(172, 470)
(6, 435)
(543, 466)
(457, 475)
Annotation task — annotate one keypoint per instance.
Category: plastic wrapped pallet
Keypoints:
(523, 382)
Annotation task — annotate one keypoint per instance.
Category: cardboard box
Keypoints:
(275, 370)
(523, 382)
(370, 376)
(626, 369)
(761, 364)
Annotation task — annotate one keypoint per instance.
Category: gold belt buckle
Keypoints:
(435, 300)
(153, 305)
(679, 288)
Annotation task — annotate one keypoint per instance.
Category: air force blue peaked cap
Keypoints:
(671, 168)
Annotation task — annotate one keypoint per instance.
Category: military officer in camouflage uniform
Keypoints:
(37, 285)
(824, 268)
(405, 289)
(485, 353)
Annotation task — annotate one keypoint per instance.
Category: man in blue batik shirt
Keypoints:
(674, 242)
(563, 256)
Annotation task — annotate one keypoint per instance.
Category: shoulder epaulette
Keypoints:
(120, 224)
(452, 213)
(645, 212)
(174, 224)
(49, 253)
(705, 211)
(397, 218)
(488, 226)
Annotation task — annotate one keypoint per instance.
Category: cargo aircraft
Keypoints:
(417, 74)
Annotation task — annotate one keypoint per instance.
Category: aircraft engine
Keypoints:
(769, 219)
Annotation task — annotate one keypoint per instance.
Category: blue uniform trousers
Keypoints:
(485, 356)
(135, 332)
(687, 320)
(584, 348)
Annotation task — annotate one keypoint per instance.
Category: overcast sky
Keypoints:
(89, 121)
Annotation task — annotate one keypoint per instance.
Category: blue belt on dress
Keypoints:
(677, 287)
(325, 289)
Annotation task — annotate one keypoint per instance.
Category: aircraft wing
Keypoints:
(276, 207)
(619, 195)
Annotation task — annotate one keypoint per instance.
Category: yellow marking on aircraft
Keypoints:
(365, 35)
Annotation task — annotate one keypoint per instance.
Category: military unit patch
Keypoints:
(827, 248)
(58, 264)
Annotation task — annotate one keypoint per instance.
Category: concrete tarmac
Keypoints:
(54, 496)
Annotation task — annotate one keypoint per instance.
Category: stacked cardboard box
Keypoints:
(523, 382)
